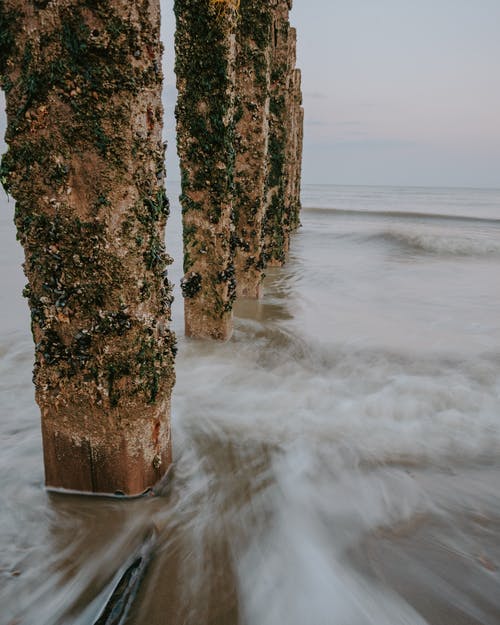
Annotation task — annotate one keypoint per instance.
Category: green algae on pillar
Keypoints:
(205, 67)
(85, 165)
(296, 139)
(251, 134)
(293, 154)
(276, 226)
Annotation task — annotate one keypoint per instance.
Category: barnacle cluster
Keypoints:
(224, 6)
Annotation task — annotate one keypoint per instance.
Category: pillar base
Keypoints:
(200, 325)
(128, 463)
(249, 290)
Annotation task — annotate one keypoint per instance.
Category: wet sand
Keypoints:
(446, 569)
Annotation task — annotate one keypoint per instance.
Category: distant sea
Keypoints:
(337, 461)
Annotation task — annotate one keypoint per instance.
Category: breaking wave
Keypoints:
(441, 243)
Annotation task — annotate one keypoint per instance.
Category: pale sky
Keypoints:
(401, 91)
(397, 92)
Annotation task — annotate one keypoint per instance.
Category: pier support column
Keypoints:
(251, 141)
(85, 165)
(294, 151)
(205, 46)
(276, 222)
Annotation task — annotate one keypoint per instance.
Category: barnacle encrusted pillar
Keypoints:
(276, 222)
(294, 151)
(205, 65)
(86, 166)
(251, 136)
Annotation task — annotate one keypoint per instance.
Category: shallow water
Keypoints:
(336, 461)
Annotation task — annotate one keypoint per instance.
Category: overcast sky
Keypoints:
(402, 92)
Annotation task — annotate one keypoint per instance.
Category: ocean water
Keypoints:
(336, 462)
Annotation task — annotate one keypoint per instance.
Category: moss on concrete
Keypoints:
(205, 140)
(85, 165)
(252, 88)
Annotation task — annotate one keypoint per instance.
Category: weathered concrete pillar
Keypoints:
(290, 126)
(294, 151)
(276, 222)
(251, 141)
(205, 68)
(86, 167)
(299, 152)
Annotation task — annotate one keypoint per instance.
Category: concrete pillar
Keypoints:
(291, 121)
(85, 165)
(294, 151)
(205, 67)
(251, 141)
(276, 226)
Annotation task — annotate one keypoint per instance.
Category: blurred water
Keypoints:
(336, 461)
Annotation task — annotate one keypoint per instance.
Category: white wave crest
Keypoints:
(444, 243)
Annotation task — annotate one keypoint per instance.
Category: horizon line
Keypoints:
(392, 186)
